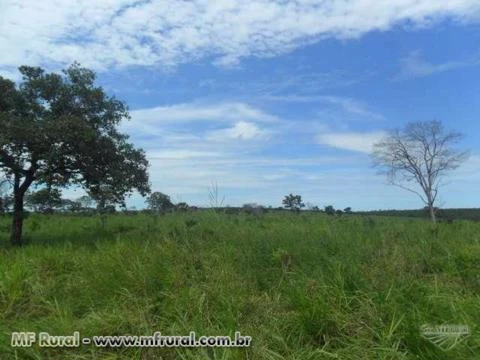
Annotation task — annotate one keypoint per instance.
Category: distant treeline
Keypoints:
(442, 214)
(254, 209)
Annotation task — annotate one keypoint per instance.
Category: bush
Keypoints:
(329, 210)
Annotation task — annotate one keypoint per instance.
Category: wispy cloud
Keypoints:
(158, 121)
(303, 84)
(353, 106)
(240, 130)
(414, 65)
(346, 104)
(106, 34)
(204, 132)
(198, 112)
(354, 141)
(183, 154)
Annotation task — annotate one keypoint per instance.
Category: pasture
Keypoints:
(303, 286)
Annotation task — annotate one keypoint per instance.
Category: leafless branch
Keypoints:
(422, 152)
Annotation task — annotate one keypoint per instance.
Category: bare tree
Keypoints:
(215, 198)
(420, 154)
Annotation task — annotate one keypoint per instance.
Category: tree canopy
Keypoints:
(293, 202)
(159, 202)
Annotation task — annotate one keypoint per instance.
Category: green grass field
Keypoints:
(304, 286)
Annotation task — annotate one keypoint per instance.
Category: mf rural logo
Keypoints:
(446, 337)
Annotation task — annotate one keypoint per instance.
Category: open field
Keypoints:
(304, 286)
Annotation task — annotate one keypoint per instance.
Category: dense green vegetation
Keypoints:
(304, 286)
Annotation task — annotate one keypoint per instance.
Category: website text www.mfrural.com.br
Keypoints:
(44, 339)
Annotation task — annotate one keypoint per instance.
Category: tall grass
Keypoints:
(303, 286)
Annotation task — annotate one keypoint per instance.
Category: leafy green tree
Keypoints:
(158, 201)
(293, 202)
(44, 200)
(329, 210)
(347, 210)
(61, 129)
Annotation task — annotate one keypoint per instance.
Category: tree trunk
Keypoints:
(431, 210)
(17, 224)
(430, 202)
(19, 191)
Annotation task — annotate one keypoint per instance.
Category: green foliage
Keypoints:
(158, 201)
(293, 202)
(304, 287)
(61, 129)
(329, 210)
(44, 200)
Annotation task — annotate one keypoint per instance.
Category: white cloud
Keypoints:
(182, 154)
(179, 123)
(414, 65)
(469, 171)
(117, 33)
(361, 142)
(195, 112)
(241, 130)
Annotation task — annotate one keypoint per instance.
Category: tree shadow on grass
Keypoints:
(84, 236)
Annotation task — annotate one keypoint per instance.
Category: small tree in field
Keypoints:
(329, 210)
(293, 202)
(417, 157)
(158, 201)
(61, 129)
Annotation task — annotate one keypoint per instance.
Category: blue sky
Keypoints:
(265, 97)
